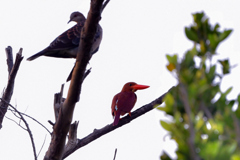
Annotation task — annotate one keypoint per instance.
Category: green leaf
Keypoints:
(231, 103)
(165, 109)
(216, 126)
(214, 41)
(211, 74)
(237, 112)
(191, 34)
(169, 100)
(238, 99)
(225, 34)
(172, 59)
(227, 91)
(216, 27)
(177, 117)
(166, 125)
(194, 51)
(210, 150)
(232, 147)
(188, 60)
(225, 66)
(197, 17)
(226, 150)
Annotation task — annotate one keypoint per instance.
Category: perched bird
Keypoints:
(124, 101)
(66, 45)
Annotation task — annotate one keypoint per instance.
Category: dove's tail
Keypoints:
(35, 56)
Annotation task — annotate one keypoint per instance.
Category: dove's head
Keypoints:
(76, 17)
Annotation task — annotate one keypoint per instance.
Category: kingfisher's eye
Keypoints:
(130, 84)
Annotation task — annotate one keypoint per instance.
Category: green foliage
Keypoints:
(207, 36)
(197, 105)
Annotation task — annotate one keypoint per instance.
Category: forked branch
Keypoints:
(12, 69)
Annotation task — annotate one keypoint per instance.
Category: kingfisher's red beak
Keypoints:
(138, 86)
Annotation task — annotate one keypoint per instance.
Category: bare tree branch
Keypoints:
(97, 133)
(16, 123)
(9, 59)
(26, 124)
(9, 89)
(30, 118)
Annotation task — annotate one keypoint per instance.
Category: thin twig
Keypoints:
(30, 118)
(36, 122)
(87, 73)
(28, 129)
(115, 153)
(42, 145)
(16, 123)
(104, 5)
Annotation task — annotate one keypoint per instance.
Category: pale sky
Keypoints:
(137, 35)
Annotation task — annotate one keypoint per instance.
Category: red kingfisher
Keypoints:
(124, 101)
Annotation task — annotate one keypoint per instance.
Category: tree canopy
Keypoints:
(205, 123)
